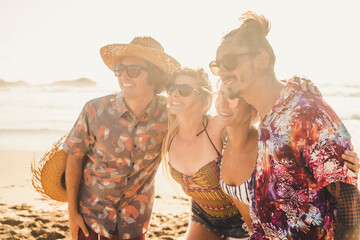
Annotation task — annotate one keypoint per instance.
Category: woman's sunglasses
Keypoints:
(221, 96)
(184, 89)
(228, 61)
(132, 71)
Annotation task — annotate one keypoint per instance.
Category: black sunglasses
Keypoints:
(132, 71)
(184, 89)
(228, 61)
(232, 102)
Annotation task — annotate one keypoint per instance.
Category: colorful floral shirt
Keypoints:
(301, 140)
(123, 155)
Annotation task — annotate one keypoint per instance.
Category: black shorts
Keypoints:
(233, 226)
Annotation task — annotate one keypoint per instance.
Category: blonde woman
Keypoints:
(192, 153)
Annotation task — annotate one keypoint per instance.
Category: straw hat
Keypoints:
(48, 174)
(145, 48)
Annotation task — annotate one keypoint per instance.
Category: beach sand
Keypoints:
(25, 215)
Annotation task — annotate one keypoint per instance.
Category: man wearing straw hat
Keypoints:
(113, 148)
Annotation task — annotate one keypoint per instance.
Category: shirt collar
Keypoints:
(150, 111)
(286, 94)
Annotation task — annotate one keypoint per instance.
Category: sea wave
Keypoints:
(354, 117)
(348, 94)
(344, 85)
(72, 86)
(35, 130)
(56, 88)
(45, 106)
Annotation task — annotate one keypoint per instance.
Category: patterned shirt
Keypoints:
(123, 155)
(301, 140)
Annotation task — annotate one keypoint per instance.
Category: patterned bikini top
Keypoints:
(203, 187)
(241, 192)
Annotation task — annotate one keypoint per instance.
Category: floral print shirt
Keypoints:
(300, 143)
(123, 155)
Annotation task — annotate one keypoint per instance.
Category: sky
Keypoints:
(42, 41)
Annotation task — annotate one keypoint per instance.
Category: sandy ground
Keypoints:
(25, 222)
(24, 215)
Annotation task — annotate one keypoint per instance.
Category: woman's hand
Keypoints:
(306, 85)
(351, 161)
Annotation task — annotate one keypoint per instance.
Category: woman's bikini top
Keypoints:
(241, 192)
(203, 186)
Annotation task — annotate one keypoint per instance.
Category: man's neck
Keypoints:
(138, 106)
(263, 94)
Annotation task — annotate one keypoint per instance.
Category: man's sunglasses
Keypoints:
(132, 71)
(184, 89)
(221, 96)
(228, 61)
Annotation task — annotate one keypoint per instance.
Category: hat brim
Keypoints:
(48, 174)
(53, 176)
(111, 55)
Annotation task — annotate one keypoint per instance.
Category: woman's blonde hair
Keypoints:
(252, 34)
(204, 86)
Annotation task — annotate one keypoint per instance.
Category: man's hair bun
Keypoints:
(254, 23)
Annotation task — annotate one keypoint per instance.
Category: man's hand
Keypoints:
(77, 222)
(73, 176)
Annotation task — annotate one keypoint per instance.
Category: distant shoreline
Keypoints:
(80, 82)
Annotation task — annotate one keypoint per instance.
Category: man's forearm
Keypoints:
(73, 178)
(348, 210)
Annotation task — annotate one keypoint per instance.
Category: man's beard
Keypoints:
(235, 92)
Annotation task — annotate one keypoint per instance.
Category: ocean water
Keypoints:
(32, 118)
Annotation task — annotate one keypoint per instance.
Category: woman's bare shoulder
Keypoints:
(215, 127)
